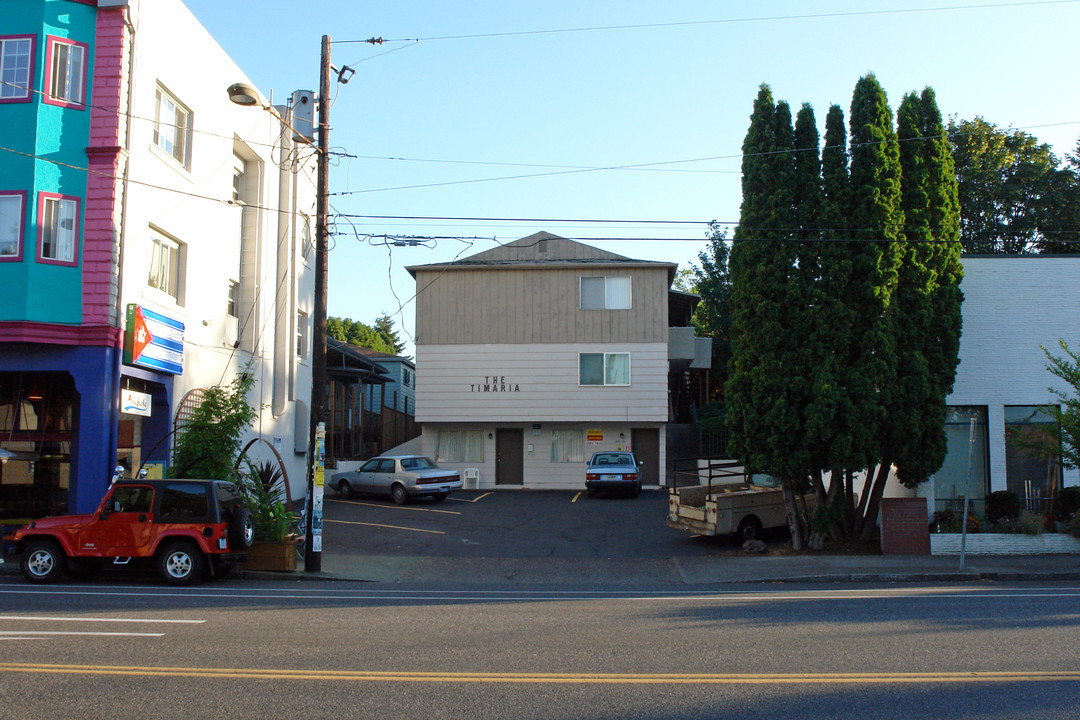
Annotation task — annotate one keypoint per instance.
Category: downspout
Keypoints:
(114, 431)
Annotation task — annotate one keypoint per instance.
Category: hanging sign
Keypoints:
(153, 340)
(135, 403)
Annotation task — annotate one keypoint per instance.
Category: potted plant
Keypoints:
(275, 526)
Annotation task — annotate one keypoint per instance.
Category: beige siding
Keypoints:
(541, 384)
(510, 306)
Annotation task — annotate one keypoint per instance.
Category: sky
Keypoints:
(615, 122)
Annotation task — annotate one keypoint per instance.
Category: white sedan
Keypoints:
(399, 476)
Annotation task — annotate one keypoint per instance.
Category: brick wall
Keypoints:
(905, 529)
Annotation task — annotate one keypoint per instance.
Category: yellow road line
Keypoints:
(549, 678)
(478, 498)
(392, 527)
(575, 498)
(399, 507)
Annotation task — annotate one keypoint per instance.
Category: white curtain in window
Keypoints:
(617, 369)
(10, 223)
(567, 446)
(459, 446)
(65, 246)
(618, 293)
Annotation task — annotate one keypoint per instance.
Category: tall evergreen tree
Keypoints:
(712, 318)
(765, 397)
(877, 220)
(939, 223)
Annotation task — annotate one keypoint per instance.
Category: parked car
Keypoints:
(180, 527)
(613, 472)
(401, 477)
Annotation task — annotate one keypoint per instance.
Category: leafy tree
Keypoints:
(358, 333)
(1008, 185)
(712, 317)
(1061, 212)
(1063, 440)
(207, 447)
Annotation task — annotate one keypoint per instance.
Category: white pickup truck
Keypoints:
(731, 502)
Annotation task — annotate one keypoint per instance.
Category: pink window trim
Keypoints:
(21, 194)
(33, 59)
(51, 42)
(42, 197)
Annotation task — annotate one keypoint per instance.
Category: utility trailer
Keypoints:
(731, 501)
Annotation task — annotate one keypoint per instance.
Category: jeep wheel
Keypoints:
(399, 494)
(43, 561)
(241, 529)
(180, 563)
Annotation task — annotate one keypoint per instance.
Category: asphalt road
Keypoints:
(314, 650)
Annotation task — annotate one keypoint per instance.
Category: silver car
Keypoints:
(613, 471)
(399, 476)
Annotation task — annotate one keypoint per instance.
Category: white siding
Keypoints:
(541, 384)
(1012, 305)
(539, 473)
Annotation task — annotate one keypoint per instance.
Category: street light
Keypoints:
(243, 94)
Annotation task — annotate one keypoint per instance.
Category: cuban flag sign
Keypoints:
(153, 341)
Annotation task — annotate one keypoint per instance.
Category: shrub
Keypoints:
(1030, 524)
(1067, 502)
(1002, 505)
(1072, 526)
(947, 521)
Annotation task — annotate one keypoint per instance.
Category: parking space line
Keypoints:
(576, 496)
(398, 507)
(475, 499)
(392, 527)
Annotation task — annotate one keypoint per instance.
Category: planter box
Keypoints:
(1004, 544)
(274, 556)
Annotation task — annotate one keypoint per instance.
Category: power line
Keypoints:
(726, 21)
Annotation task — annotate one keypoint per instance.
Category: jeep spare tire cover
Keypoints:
(241, 529)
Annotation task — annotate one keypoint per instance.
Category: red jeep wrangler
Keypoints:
(181, 526)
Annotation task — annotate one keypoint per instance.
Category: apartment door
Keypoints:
(509, 456)
(645, 444)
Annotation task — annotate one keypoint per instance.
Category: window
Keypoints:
(568, 446)
(305, 237)
(66, 60)
(11, 225)
(16, 68)
(172, 128)
(166, 266)
(460, 446)
(132, 499)
(406, 377)
(233, 308)
(58, 221)
(604, 368)
(605, 293)
(1034, 478)
(951, 481)
(301, 334)
(184, 501)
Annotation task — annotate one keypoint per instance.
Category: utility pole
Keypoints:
(316, 440)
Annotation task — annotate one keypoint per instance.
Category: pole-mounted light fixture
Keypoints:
(244, 94)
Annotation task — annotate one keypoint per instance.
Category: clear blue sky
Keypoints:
(528, 117)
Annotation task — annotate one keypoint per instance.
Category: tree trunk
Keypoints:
(869, 516)
(795, 524)
(849, 502)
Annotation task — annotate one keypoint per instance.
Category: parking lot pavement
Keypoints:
(505, 524)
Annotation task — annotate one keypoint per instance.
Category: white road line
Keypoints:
(46, 618)
(51, 633)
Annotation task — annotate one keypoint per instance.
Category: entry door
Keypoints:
(645, 444)
(509, 456)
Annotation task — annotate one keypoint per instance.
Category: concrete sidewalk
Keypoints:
(687, 571)
(675, 571)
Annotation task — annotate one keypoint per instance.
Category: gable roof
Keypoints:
(543, 248)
